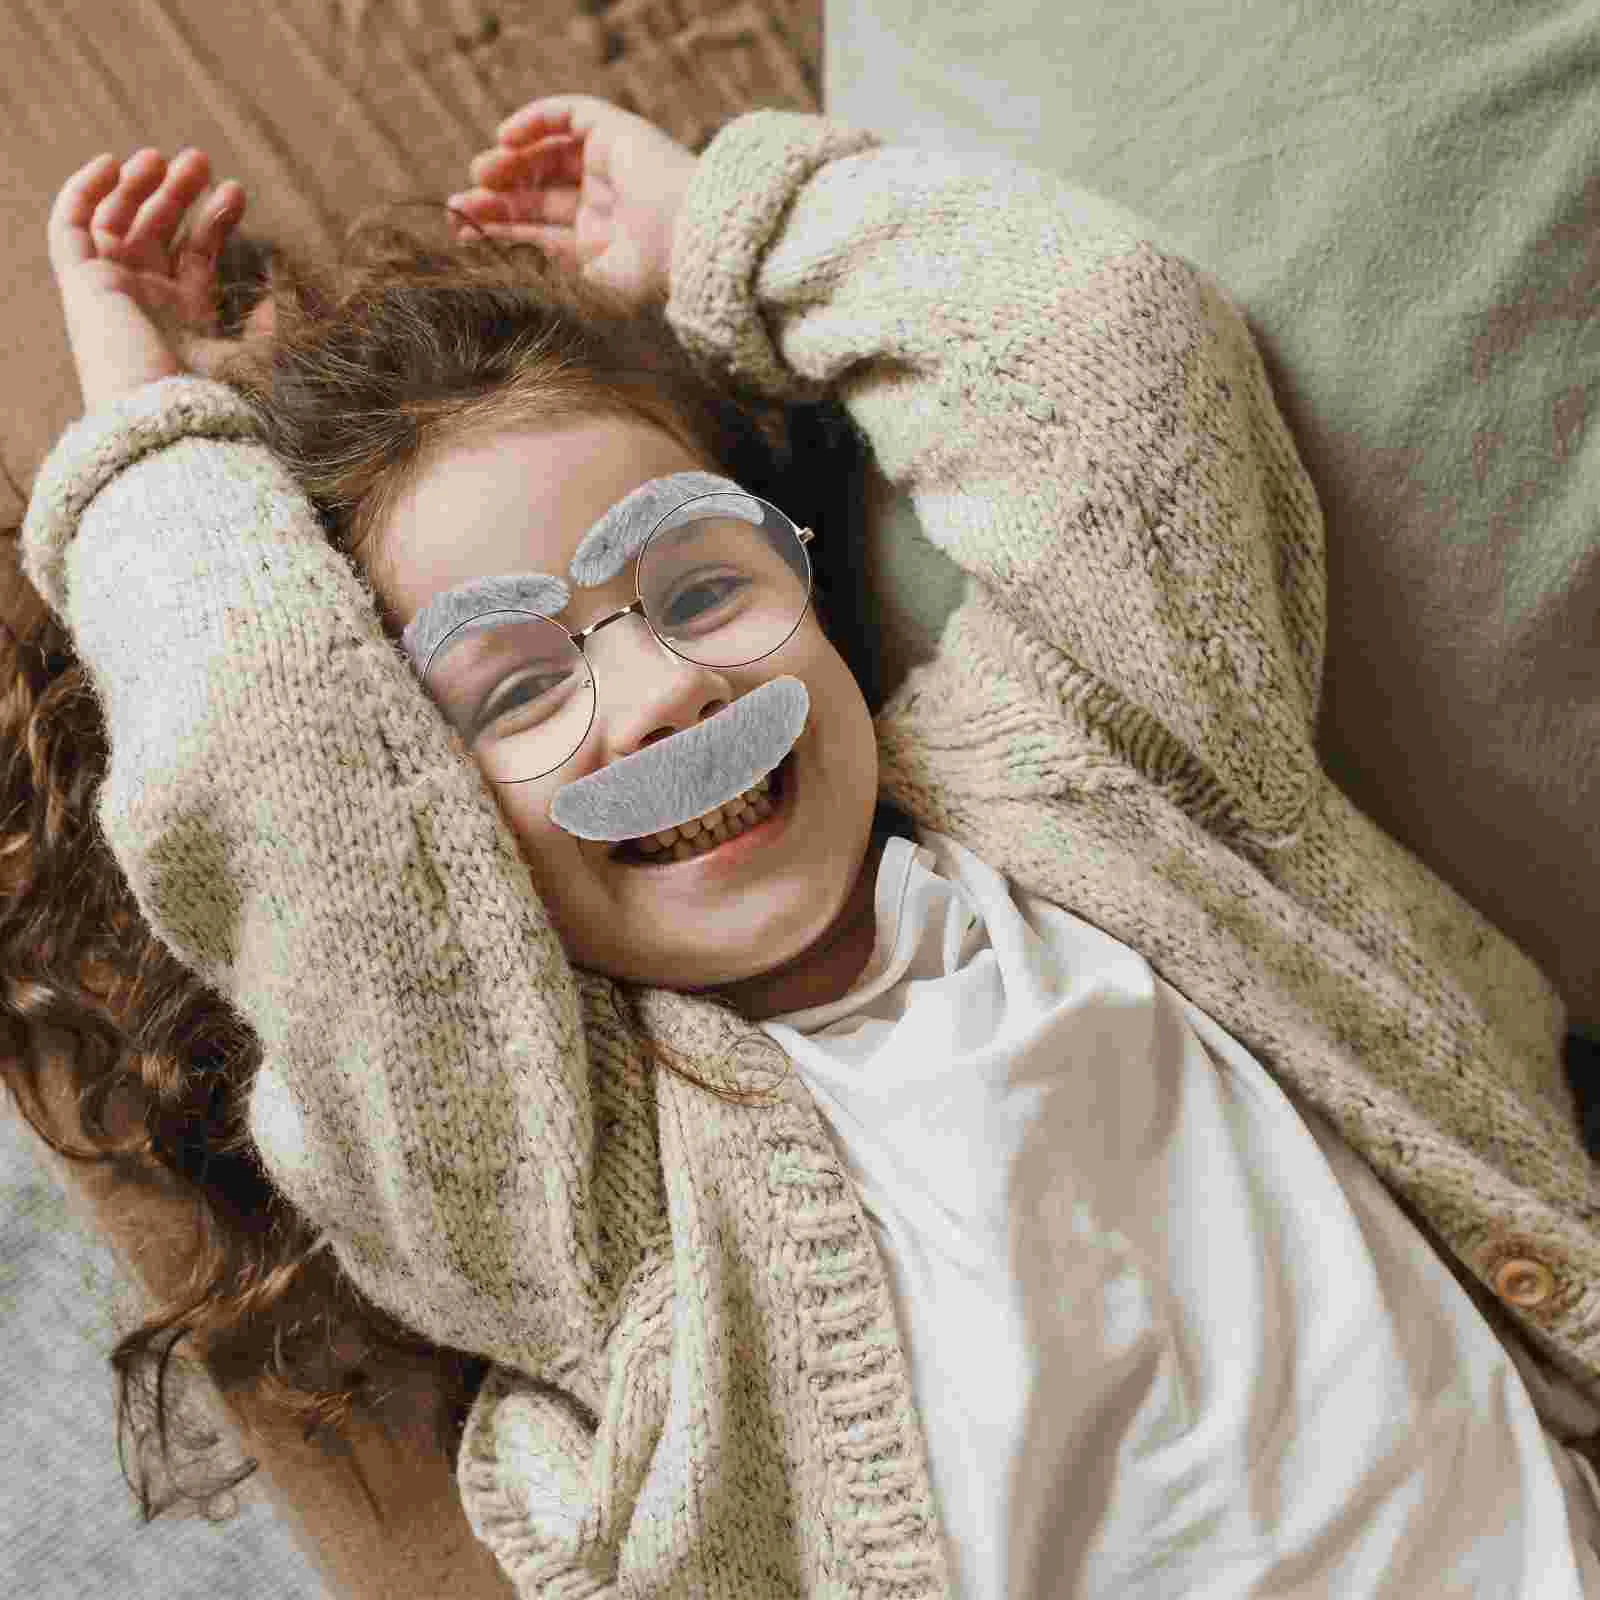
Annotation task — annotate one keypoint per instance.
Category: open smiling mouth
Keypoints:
(752, 816)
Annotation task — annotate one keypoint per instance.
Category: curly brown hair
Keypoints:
(393, 346)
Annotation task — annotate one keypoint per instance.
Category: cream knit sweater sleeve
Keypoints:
(285, 805)
(1082, 422)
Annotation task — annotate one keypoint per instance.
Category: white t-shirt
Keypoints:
(1168, 1334)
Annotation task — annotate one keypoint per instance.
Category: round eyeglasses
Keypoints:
(723, 580)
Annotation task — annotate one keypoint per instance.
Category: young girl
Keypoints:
(1139, 1176)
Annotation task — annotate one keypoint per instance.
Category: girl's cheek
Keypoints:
(528, 816)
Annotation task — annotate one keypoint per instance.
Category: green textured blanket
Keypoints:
(1405, 200)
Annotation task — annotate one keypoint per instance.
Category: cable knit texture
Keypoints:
(699, 1384)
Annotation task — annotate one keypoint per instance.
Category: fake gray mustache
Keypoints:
(675, 779)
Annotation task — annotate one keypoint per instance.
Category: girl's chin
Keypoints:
(793, 931)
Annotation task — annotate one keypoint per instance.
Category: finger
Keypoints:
(479, 205)
(557, 160)
(537, 118)
(197, 260)
(147, 242)
(559, 206)
(67, 232)
(578, 114)
(558, 243)
(140, 174)
(214, 221)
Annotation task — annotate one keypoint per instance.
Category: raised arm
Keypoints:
(285, 805)
(1082, 422)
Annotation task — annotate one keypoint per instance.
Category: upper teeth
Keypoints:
(730, 810)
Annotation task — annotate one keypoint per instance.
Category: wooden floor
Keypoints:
(688, 65)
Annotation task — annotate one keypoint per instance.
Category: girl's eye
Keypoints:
(706, 587)
(529, 689)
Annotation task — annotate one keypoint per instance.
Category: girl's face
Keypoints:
(788, 925)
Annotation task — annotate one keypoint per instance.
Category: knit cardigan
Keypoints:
(698, 1381)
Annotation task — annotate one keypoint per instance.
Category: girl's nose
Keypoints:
(647, 692)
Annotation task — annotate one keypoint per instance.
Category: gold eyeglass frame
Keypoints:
(803, 537)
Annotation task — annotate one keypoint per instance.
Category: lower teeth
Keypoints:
(684, 850)
(696, 848)
(705, 841)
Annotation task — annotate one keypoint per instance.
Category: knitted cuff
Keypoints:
(99, 445)
(732, 211)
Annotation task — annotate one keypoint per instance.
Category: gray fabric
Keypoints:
(69, 1525)
(1403, 199)
(705, 765)
(474, 605)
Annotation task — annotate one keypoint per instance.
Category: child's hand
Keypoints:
(137, 305)
(598, 188)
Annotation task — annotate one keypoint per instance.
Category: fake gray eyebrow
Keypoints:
(609, 545)
(478, 604)
(620, 534)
